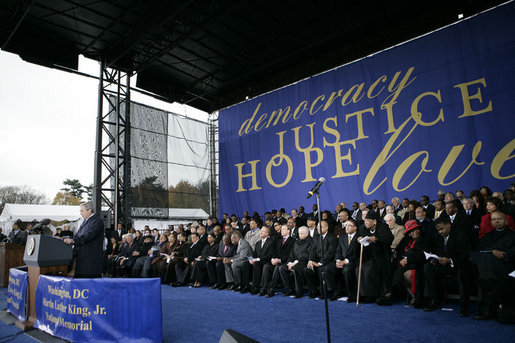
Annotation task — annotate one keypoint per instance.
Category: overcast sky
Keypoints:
(48, 123)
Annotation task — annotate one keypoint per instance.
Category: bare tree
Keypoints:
(20, 195)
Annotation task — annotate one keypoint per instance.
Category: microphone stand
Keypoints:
(324, 285)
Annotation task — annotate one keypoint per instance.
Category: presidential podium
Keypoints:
(44, 255)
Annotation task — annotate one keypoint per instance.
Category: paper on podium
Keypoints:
(428, 256)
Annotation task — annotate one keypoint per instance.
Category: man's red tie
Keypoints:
(284, 240)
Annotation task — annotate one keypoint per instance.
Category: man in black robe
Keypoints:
(495, 260)
(376, 276)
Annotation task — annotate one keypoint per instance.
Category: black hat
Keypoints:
(371, 215)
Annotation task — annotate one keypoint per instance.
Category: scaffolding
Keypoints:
(111, 189)
(213, 163)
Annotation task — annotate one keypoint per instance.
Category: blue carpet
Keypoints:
(283, 319)
(11, 333)
(201, 315)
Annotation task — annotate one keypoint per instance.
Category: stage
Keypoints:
(201, 315)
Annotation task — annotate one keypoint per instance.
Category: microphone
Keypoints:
(316, 187)
(44, 222)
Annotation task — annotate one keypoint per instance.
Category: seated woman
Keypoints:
(410, 213)
(168, 269)
(164, 253)
(410, 262)
(208, 255)
(493, 205)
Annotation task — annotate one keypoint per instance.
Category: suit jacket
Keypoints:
(244, 229)
(194, 251)
(463, 224)
(381, 215)
(358, 214)
(330, 243)
(283, 251)
(265, 252)
(301, 250)
(474, 217)
(457, 249)
(89, 247)
(430, 211)
(243, 252)
(222, 252)
(19, 236)
(346, 251)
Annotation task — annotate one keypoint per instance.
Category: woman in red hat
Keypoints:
(410, 262)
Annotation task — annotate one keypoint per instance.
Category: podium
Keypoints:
(11, 256)
(45, 255)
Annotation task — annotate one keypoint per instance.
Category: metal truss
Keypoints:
(213, 163)
(112, 185)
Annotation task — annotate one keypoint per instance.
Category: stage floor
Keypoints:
(201, 315)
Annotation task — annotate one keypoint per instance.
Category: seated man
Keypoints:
(494, 261)
(225, 249)
(297, 261)
(347, 256)
(235, 263)
(325, 267)
(126, 262)
(280, 256)
(141, 255)
(452, 249)
(261, 258)
(199, 270)
(183, 268)
(376, 275)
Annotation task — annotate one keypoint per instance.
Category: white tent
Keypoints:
(28, 213)
(175, 216)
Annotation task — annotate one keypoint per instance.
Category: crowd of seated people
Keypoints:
(406, 250)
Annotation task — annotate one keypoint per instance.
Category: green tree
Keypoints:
(74, 187)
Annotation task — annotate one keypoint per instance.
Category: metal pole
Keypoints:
(116, 194)
(324, 286)
(97, 183)
(127, 157)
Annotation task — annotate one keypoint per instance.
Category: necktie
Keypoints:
(284, 240)
(445, 239)
(468, 212)
(225, 249)
(348, 240)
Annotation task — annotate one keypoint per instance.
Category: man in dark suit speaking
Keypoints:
(88, 244)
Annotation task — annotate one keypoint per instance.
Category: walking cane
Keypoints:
(359, 274)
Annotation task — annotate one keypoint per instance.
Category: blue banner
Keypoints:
(100, 310)
(433, 113)
(17, 293)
